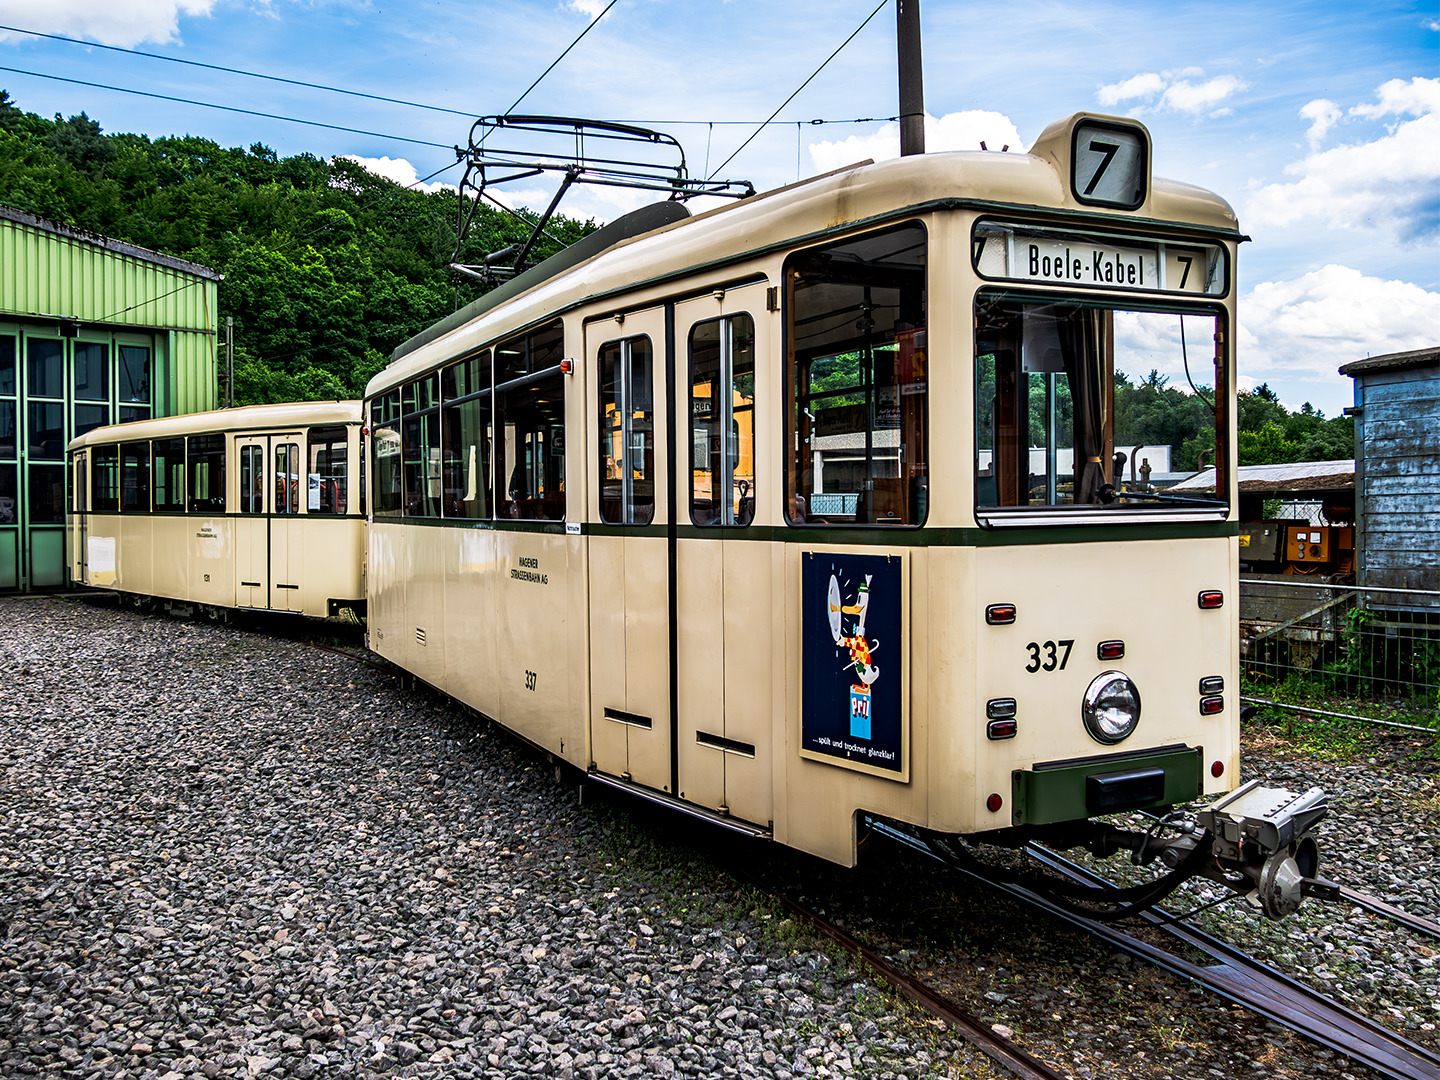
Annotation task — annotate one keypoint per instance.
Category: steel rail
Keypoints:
(1252, 984)
(970, 1027)
(1418, 923)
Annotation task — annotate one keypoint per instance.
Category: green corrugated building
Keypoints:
(92, 331)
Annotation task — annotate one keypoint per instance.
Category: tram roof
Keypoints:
(245, 418)
(868, 193)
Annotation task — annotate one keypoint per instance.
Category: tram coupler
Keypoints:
(1265, 834)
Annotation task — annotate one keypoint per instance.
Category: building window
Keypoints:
(47, 494)
(134, 383)
(722, 421)
(627, 432)
(857, 381)
(91, 363)
(47, 430)
(45, 369)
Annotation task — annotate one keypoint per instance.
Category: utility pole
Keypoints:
(229, 361)
(912, 80)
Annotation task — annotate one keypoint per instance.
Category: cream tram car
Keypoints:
(259, 507)
(817, 505)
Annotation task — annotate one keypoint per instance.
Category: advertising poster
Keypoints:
(851, 658)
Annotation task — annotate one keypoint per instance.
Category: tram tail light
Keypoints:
(994, 802)
(1212, 598)
(1209, 706)
(1002, 729)
(1217, 770)
(1000, 614)
(1111, 650)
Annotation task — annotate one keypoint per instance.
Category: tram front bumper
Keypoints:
(1080, 788)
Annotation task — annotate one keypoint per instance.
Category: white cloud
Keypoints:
(953, 131)
(590, 8)
(1323, 114)
(1145, 85)
(1172, 90)
(1391, 183)
(1306, 328)
(126, 24)
(397, 169)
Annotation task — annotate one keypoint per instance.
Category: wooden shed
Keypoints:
(1397, 470)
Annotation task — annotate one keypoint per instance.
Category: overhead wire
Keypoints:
(233, 71)
(229, 108)
(792, 97)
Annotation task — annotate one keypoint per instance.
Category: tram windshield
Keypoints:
(1087, 405)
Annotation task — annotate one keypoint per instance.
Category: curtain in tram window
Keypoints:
(1082, 344)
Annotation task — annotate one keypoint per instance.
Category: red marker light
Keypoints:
(1209, 706)
(1002, 729)
(1000, 614)
(1217, 770)
(993, 803)
(1111, 650)
(1212, 598)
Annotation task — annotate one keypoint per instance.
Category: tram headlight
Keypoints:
(1112, 707)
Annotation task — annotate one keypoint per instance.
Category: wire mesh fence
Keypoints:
(1342, 651)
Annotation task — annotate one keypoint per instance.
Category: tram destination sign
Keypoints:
(1016, 253)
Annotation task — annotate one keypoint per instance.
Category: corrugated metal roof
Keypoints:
(1429, 357)
(108, 243)
(1292, 476)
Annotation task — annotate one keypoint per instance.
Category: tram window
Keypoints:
(287, 478)
(627, 432)
(205, 461)
(722, 421)
(326, 485)
(420, 457)
(1054, 422)
(252, 479)
(135, 478)
(169, 472)
(530, 426)
(858, 421)
(469, 438)
(105, 479)
(385, 454)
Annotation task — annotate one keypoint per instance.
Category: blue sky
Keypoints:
(1319, 122)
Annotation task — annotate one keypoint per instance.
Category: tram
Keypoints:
(814, 510)
(257, 508)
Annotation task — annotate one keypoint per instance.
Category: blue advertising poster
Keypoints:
(851, 623)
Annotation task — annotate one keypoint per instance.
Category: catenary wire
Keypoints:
(234, 71)
(229, 108)
(802, 86)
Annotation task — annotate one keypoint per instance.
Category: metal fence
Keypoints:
(1342, 651)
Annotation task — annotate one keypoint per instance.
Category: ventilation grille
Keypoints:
(420, 635)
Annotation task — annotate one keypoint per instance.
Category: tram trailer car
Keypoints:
(806, 512)
(259, 508)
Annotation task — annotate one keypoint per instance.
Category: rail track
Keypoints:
(1232, 974)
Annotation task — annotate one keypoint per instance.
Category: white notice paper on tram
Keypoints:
(100, 558)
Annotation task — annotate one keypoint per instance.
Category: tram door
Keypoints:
(269, 480)
(628, 549)
(79, 521)
(728, 578)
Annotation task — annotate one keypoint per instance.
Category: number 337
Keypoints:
(1053, 658)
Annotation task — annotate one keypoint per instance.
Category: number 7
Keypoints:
(1066, 658)
(1109, 150)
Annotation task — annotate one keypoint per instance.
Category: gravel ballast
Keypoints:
(227, 853)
